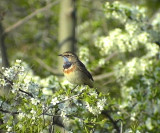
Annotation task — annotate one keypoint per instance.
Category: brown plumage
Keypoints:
(75, 71)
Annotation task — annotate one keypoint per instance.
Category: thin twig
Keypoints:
(29, 94)
(109, 82)
(48, 68)
(103, 76)
(97, 69)
(6, 111)
(112, 121)
(121, 130)
(154, 16)
(25, 19)
(11, 84)
(61, 102)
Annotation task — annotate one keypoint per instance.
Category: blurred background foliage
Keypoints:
(38, 37)
(36, 43)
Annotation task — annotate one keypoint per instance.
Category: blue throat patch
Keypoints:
(67, 64)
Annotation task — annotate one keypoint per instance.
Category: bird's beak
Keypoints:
(60, 55)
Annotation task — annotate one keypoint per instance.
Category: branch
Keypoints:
(109, 82)
(103, 76)
(29, 94)
(48, 68)
(11, 83)
(112, 121)
(25, 19)
(4, 56)
(6, 111)
(97, 69)
(44, 112)
(154, 16)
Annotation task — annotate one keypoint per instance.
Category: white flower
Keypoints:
(21, 115)
(131, 27)
(137, 131)
(9, 129)
(63, 113)
(94, 94)
(149, 124)
(101, 62)
(35, 101)
(20, 126)
(2, 82)
(18, 61)
(84, 54)
(133, 116)
(143, 38)
(93, 110)
(54, 101)
(33, 112)
(101, 103)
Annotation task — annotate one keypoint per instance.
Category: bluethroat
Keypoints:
(75, 71)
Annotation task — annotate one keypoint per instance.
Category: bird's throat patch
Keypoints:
(70, 69)
(67, 65)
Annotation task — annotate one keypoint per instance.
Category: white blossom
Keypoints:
(55, 101)
(9, 128)
(33, 111)
(63, 114)
(35, 101)
(18, 61)
(93, 110)
(133, 116)
(101, 103)
(21, 115)
(149, 123)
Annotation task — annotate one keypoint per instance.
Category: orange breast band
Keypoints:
(69, 70)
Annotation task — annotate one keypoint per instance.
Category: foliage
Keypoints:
(136, 68)
(30, 110)
(132, 96)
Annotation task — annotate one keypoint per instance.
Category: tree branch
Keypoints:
(154, 16)
(4, 57)
(103, 76)
(6, 111)
(61, 102)
(11, 83)
(97, 69)
(25, 19)
(112, 121)
(48, 68)
(29, 94)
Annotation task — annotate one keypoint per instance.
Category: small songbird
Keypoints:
(75, 71)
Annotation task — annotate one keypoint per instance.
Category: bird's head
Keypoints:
(69, 57)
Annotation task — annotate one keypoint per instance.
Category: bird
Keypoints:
(75, 71)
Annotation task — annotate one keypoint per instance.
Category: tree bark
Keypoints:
(67, 24)
(4, 57)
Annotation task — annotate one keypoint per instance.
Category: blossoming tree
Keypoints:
(34, 104)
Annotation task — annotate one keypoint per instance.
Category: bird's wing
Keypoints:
(82, 68)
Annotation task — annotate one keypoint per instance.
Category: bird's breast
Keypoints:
(71, 74)
(75, 76)
(70, 69)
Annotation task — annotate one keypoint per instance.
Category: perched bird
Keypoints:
(75, 71)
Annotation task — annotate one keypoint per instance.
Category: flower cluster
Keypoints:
(95, 110)
(136, 68)
(84, 55)
(34, 107)
(130, 69)
(117, 10)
